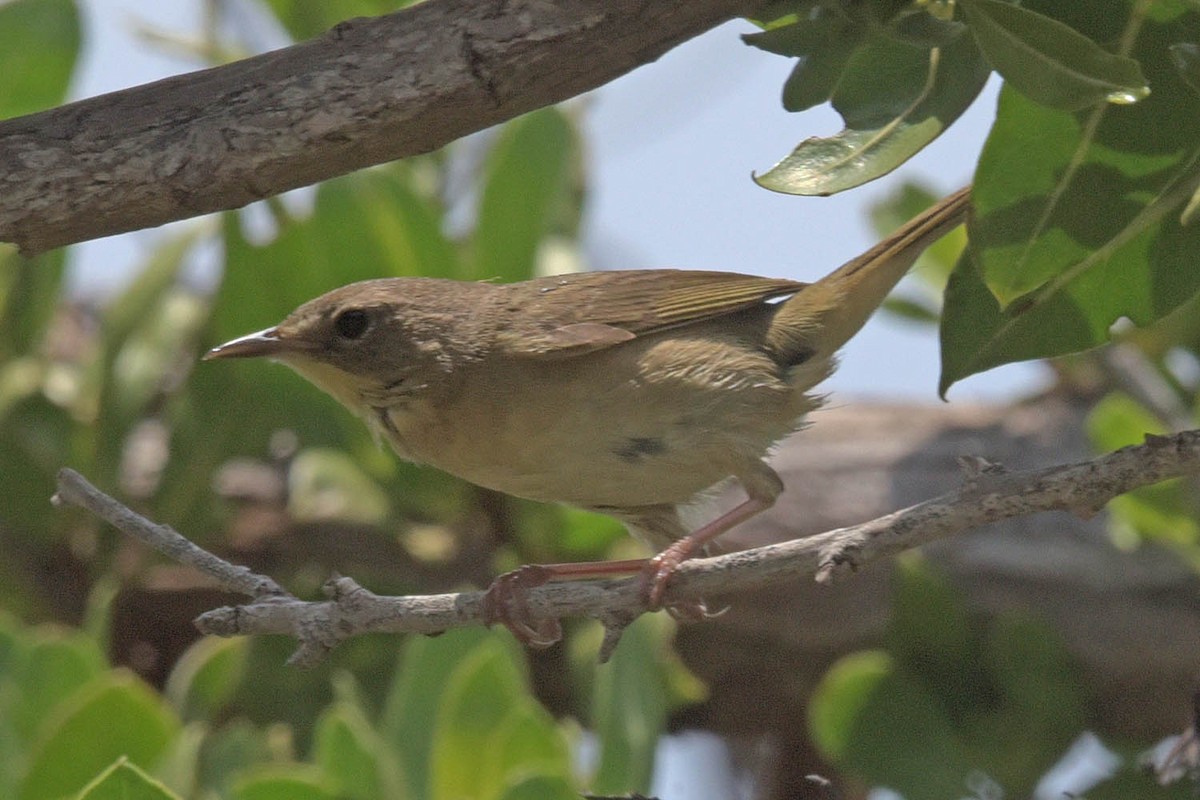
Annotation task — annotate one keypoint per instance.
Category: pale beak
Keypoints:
(264, 343)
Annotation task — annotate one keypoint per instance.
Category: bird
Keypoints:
(630, 393)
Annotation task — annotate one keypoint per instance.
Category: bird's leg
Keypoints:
(762, 486)
(507, 599)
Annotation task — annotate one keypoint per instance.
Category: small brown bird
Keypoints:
(628, 393)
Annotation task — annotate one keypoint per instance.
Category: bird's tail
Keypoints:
(815, 322)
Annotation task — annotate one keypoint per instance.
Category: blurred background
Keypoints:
(1049, 656)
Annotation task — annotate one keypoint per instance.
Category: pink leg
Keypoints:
(658, 570)
(506, 600)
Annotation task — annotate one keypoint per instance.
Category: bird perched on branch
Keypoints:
(627, 393)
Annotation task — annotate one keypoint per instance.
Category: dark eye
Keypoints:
(351, 323)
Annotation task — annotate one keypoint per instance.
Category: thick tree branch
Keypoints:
(990, 494)
(368, 91)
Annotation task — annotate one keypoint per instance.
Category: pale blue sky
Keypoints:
(672, 146)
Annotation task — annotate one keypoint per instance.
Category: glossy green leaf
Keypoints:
(481, 693)
(206, 676)
(355, 756)
(412, 705)
(1076, 219)
(824, 41)
(887, 121)
(1048, 61)
(39, 42)
(525, 176)
(116, 715)
(285, 782)
(125, 781)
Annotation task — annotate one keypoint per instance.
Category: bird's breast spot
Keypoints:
(637, 448)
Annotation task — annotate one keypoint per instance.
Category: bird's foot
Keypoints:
(506, 602)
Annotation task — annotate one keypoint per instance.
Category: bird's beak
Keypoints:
(264, 343)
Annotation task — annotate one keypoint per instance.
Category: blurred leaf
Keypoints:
(354, 755)
(527, 742)
(1048, 61)
(39, 42)
(324, 484)
(526, 173)
(481, 692)
(50, 668)
(1076, 214)
(206, 676)
(1163, 512)
(1044, 705)
(305, 19)
(930, 635)
(1186, 56)
(630, 701)
(887, 121)
(540, 787)
(29, 293)
(416, 695)
(227, 752)
(116, 715)
(863, 715)
(284, 782)
(124, 781)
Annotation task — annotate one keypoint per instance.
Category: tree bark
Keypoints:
(369, 90)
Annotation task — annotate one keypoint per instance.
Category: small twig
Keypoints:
(75, 489)
(990, 494)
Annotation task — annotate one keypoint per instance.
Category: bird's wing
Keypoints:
(567, 315)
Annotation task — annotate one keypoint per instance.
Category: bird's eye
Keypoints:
(351, 323)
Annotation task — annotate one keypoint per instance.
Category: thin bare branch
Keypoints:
(989, 494)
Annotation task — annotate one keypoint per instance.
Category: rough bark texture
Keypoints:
(370, 90)
(1129, 619)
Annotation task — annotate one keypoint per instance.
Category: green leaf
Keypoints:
(304, 19)
(863, 715)
(354, 755)
(116, 715)
(525, 175)
(629, 707)
(39, 42)
(29, 296)
(481, 693)
(1076, 215)
(206, 676)
(284, 782)
(50, 669)
(824, 43)
(1050, 62)
(540, 787)
(413, 703)
(124, 781)
(887, 120)
(527, 742)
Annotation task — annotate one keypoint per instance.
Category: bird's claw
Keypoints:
(506, 602)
